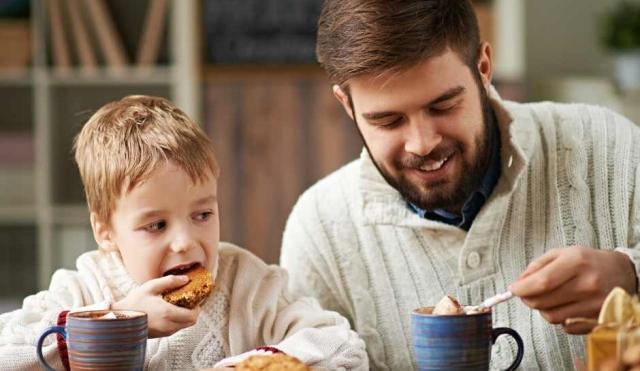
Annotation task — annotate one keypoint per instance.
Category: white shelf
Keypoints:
(162, 75)
(16, 78)
(57, 100)
(17, 215)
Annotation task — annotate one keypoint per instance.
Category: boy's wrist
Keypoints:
(115, 305)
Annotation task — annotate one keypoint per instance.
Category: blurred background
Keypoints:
(245, 70)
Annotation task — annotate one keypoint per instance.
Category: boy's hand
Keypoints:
(163, 318)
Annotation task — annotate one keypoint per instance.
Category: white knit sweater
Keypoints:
(250, 307)
(569, 175)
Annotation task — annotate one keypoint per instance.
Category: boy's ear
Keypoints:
(102, 234)
(343, 98)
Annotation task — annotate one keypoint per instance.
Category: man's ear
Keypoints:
(343, 98)
(485, 66)
(102, 234)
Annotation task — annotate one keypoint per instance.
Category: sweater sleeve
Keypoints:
(263, 312)
(306, 255)
(20, 329)
(633, 248)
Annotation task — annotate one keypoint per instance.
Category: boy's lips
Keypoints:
(181, 268)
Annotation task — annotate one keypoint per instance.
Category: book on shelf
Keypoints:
(60, 48)
(149, 44)
(265, 31)
(86, 55)
(108, 39)
(15, 38)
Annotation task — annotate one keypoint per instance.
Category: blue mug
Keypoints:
(457, 342)
(102, 340)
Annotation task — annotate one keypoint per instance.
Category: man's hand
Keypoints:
(573, 282)
(163, 318)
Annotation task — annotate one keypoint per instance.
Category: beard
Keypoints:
(449, 194)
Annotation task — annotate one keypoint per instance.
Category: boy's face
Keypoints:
(164, 222)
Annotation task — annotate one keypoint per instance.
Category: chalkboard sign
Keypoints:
(260, 31)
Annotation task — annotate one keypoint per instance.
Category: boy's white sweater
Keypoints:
(249, 307)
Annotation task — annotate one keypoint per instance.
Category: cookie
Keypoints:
(272, 362)
(194, 292)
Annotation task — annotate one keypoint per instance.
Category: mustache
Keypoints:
(413, 161)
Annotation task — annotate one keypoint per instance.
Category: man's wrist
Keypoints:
(631, 269)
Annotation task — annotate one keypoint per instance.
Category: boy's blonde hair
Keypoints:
(126, 140)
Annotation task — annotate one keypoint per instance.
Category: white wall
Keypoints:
(562, 39)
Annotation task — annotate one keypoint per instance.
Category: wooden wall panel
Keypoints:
(275, 135)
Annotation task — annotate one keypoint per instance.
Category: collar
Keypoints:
(383, 204)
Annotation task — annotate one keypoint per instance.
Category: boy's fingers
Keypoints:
(167, 283)
(183, 315)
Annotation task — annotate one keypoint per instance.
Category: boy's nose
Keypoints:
(182, 243)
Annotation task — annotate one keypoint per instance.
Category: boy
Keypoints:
(150, 176)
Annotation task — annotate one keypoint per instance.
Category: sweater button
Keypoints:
(473, 260)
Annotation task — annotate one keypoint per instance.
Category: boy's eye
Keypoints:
(156, 226)
(204, 216)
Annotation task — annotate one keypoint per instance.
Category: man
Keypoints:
(459, 192)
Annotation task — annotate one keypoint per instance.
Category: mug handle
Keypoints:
(51, 330)
(507, 331)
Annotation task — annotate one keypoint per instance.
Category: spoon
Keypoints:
(491, 301)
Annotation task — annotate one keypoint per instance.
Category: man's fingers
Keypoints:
(167, 283)
(578, 328)
(540, 262)
(547, 278)
(559, 315)
(565, 294)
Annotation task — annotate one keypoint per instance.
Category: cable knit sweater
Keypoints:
(250, 307)
(569, 175)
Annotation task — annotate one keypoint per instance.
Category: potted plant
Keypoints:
(621, 35)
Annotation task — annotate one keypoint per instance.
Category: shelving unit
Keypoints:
(52, 218)
(277, 128)
(251, 111)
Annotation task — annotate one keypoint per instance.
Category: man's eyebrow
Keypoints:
(451, 93)
(378, 115)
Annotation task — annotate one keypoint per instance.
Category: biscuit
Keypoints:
(199, 287)
(271, 362)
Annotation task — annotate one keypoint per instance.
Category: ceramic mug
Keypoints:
(102, 340)
(457, 342)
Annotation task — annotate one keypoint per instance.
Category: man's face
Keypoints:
(426, 129)
(165, 222)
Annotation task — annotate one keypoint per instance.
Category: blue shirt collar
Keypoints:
(474, 203)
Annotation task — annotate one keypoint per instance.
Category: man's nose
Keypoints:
(422, 137)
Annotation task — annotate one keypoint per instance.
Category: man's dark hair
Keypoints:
(361, 37)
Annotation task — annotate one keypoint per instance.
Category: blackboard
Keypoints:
(260, 31)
